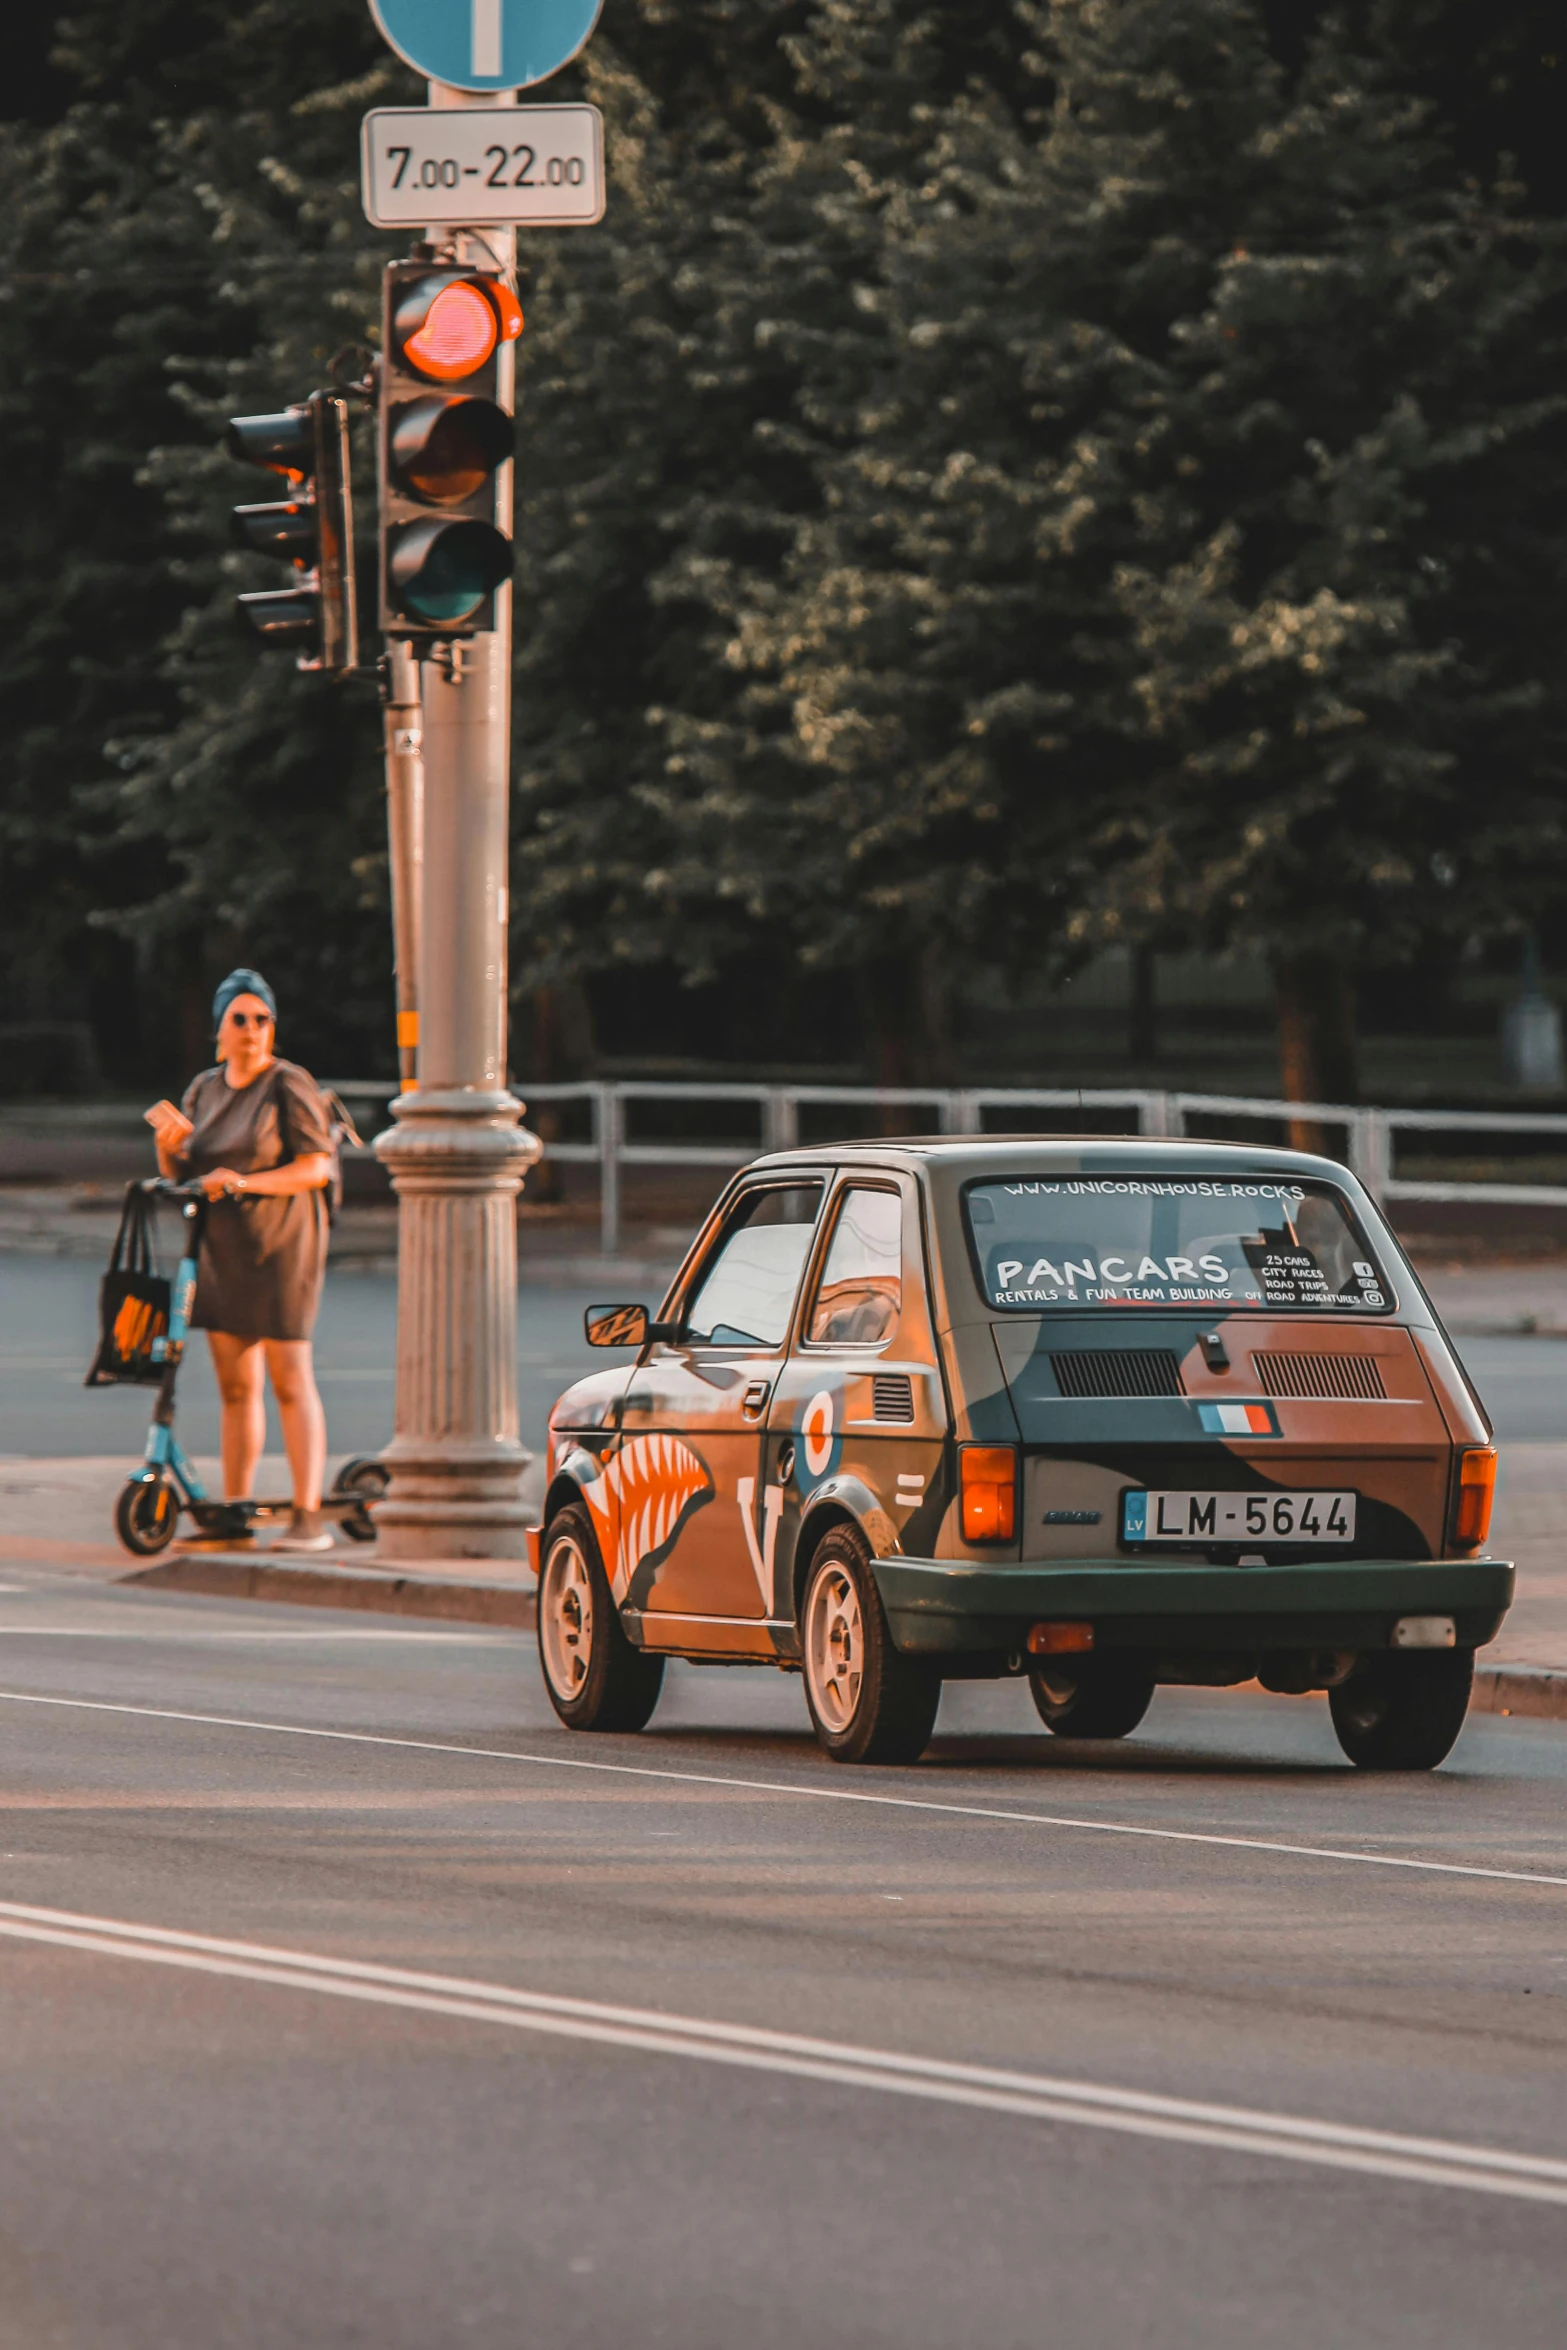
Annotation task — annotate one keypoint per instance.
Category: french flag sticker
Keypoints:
(1238, 1419)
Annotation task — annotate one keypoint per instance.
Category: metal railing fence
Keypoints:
(1370, 1134)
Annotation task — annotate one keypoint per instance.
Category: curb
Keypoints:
(1537, 1691)
(227, 1575)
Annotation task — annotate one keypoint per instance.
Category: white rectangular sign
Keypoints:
(488, 166)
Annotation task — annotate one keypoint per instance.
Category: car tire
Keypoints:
(593, 1676)
(869, 1703)
(1107, 1701)
(1403, 1712)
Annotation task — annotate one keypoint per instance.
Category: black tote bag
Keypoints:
(133, 1304)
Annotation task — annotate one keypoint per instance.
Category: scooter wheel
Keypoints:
(364, 1475)
(145, 1516)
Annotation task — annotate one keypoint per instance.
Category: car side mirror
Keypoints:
(618, 1325)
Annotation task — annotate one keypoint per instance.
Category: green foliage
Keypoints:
(999, 481)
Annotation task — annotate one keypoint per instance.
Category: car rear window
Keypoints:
(1266, 1246)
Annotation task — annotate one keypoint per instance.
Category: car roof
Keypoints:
(965, 1157)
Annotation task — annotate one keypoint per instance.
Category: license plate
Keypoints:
(1238, 1517)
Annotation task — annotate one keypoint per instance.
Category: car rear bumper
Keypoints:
(937, 1606)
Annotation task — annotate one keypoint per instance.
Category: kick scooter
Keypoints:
(147, 1513)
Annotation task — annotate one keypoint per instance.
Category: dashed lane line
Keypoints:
(1439, 2162)
(1338, 1854)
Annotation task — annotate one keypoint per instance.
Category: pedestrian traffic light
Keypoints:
(313, 529)
(445, 511)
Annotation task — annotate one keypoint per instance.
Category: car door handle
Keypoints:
(754, 1401)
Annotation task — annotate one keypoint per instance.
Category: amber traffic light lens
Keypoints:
(287, 531)
(455, 335)
(446, 450)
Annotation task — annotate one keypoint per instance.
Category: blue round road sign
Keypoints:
(486, 44)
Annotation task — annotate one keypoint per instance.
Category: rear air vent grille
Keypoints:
(1339, 1378)
(1122, 1370)
(892, 1396)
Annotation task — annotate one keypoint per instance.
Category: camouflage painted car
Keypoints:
(1107, 1413)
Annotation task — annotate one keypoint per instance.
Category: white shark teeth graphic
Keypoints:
(646, 1485)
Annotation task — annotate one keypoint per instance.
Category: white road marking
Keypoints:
(919, 1803)
(1386, 2154)
(195, 1632)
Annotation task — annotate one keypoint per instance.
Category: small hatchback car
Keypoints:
(1107, 1413)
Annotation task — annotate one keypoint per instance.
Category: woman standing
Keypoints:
(255, 1133)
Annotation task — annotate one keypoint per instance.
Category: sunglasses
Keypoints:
(251, 1019)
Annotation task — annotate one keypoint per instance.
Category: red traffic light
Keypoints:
(449, 326)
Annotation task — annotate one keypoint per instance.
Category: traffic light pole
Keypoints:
(404, 717)
(456, 1151)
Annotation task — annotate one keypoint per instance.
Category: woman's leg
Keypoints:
(238, 1364)
(292, 1371)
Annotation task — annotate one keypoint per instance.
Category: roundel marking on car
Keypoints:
(651, 1486)
(817, 1430)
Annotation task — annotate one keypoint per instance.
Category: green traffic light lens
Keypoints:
(442, 571)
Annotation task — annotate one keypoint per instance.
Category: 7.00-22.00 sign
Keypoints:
(488, 166)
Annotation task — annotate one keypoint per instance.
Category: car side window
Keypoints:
(860, 1294)
(746, 1291)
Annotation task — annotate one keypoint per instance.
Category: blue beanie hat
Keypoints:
(241, 982)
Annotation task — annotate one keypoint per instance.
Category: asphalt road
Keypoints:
(458, 2028)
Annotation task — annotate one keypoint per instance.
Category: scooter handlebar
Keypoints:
(160, 1187)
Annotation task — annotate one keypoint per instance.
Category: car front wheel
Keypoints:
(868, 1702)
(1403, 1712)
(595, 1679)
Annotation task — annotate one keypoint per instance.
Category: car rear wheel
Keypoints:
(1403, 1712)
(869, 1703)
(1102, 1701)
(595, 1679)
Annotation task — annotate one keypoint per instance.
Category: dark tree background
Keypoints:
(999, 483)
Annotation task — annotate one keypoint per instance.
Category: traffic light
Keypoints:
(313, 529)
(445, 434)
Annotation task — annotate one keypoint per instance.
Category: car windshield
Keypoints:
(1128, 1240)
(747, 1287)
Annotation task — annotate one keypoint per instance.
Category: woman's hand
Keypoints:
(171, 1130)
(311, 1173)
(170, 1125)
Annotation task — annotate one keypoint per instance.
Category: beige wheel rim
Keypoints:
(566, 1617)
(834, 1648)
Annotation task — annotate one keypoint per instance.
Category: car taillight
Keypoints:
(1476, 1487)
(987, 1486)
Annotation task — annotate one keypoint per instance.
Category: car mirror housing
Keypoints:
(621, 1326)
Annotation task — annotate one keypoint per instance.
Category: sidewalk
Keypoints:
(58, 1516)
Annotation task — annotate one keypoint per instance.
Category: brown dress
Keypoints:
(262, 1260)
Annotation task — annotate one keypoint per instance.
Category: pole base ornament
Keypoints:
(457, 1160)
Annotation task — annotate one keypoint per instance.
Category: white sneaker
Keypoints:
(306, 1533)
